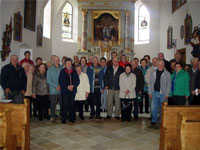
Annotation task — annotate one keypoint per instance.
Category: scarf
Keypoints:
(69, 72)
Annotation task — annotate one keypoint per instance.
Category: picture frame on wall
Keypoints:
(188, 29)
(176, 4)
(39, 35)
(169, 37)
(29, 14)
(18, 27)
(106, 24)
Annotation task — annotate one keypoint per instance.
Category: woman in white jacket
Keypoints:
(127, 83)
(82, 91)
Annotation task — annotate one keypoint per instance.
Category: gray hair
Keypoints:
(14, 56)
(194, 58)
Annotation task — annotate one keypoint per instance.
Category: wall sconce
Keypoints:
(174, 42)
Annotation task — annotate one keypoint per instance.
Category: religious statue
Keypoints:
(105, 46)
(7, 37)
(195, 42)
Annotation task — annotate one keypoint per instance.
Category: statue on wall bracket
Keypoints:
(7, 38)
(195, 42)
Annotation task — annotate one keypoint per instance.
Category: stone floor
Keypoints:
(94, 135)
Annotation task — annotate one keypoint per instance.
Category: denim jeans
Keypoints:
(157, 100)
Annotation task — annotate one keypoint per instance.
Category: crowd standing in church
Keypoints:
(97, 85)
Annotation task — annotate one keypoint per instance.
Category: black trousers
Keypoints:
(179, 100)
(68, 106)
(146, 97)
(42, 104)
(79, 106)
(95, 99)
(33, 105)
(196, 100)
(126, 108)
(136, 104)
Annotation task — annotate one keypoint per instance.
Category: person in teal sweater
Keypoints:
(179, 85)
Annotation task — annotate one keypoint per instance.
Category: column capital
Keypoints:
(84, 12)
(128, 12)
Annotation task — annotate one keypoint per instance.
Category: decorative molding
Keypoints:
(106, 1)
(84, 12)
(128, 12)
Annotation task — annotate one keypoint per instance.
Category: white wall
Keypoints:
(153, 47)
(176, 20)
(8, 8)
(59, 47)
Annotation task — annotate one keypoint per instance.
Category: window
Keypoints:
(47, 20)
(142, 24)
(67, 14)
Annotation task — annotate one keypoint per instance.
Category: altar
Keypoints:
(109, 23)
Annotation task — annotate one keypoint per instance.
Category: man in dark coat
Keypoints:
(161, 56)
(193, 71)
(111, 80)
(139, 86)
(13, 78)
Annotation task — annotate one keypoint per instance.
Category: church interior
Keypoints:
(85, 28)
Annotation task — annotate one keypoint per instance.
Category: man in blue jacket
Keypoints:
(95, 94)
(68, 81)
(54, 87)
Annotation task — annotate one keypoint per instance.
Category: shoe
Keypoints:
(35, 115)
(147, 112)
(123, 120)
(108, 117)
(52, 119)
(136, 118)
(72, 121)
(129, 120)
(40, 119)
(154, 125)
(63, 122)
(117, 118)
(91, 117)
(150, 118)
(98, 117)
(82, 118)
(47, 117)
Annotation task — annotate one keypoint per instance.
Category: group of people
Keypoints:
(111, 86)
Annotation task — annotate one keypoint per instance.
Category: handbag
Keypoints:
(126, 103)
(16, 97)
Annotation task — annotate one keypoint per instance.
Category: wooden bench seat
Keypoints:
(169, 119)
(7, 139)
(188, 134)
(19, 122)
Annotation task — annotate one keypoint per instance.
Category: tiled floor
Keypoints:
(94, 135)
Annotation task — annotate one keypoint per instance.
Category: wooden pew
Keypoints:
(188, 134)
(20, 122)
(168, 131)
(7, 139)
